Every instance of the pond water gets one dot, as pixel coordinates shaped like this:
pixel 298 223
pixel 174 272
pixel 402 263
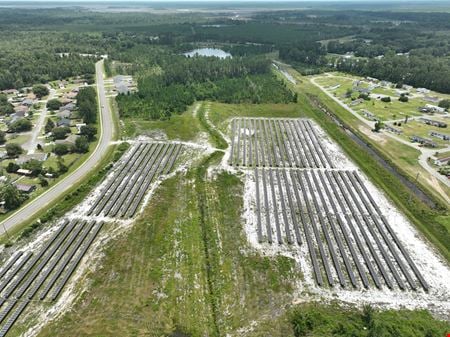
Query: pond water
pixel 208 52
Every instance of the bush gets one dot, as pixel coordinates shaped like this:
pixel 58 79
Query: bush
pixel 61 149
pixel 49 125
pixel 364 96
pixel 43 181
pixel 20 125
pixel 316 320
pixel 35 166
pixel 54 104
pixel 403 98
pixel 88 131
pixel 82 144
pixel 40 90
pixel 60 132
pixel 12 167
pixel 386 99
pixel 13 150
pixel 2 137
pixel 445 103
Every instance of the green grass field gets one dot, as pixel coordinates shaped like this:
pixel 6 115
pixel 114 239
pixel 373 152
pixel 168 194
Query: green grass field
pixel 220 114
pixel 385 111
pixel 183 127
pixel 417 128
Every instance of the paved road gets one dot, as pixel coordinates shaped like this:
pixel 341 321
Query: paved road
pixel 425 153
pixel 30 146
pixel 106 134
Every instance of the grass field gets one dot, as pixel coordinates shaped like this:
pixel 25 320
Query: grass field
pixel 183 127
pixel 417 128
pixel 221 113
pixel 385 111
pixel 392 110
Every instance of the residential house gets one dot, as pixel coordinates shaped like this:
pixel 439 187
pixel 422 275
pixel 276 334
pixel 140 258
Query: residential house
pixel 423 90
pixel 69 106
pixel 64 122
pixel 440 135
pixel 433 122
pixel 71 95
pixel 21 110
pixel 356 102
pixel 362 90
pixel 407 87
pixel 64 114
pixel 27 102
pixel 431 99
pixel 34 156
pixel 25 188
pixel 372 79
pixel 122 88
pixel 442 161
pixel 423 141
pixel 70 140
pixel 434 108
pixel 369 115
pixel 392 129
pixel 10 91
pixel 24 172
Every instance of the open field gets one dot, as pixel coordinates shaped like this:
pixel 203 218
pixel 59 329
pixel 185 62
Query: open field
pixel 182 127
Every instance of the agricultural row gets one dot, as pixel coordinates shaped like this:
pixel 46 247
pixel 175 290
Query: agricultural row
pixel 124 192
pixel 273 142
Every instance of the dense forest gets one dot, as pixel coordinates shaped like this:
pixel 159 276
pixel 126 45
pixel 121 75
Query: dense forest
pixel 32 41
pixel 180 81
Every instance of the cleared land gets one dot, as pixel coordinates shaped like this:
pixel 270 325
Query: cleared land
pixel 41 269
pixel 276 142
pixel 332 210
pixel 125 190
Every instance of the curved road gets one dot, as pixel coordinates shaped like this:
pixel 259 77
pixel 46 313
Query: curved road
pixel 55 192
pixel 425 153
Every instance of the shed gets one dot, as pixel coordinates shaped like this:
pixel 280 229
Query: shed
pixel 24 172
pixel 25 188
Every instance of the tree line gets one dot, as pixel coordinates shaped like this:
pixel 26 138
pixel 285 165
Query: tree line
pixel 185 80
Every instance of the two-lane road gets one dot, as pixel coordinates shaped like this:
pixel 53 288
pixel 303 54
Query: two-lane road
pixel 106 134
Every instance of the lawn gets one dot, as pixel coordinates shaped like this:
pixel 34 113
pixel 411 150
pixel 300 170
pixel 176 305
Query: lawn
pixel 417 128
pixel 220 113
pixel 392 110
pixel 182 127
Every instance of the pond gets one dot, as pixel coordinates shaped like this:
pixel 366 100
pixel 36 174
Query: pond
pixel 208 52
